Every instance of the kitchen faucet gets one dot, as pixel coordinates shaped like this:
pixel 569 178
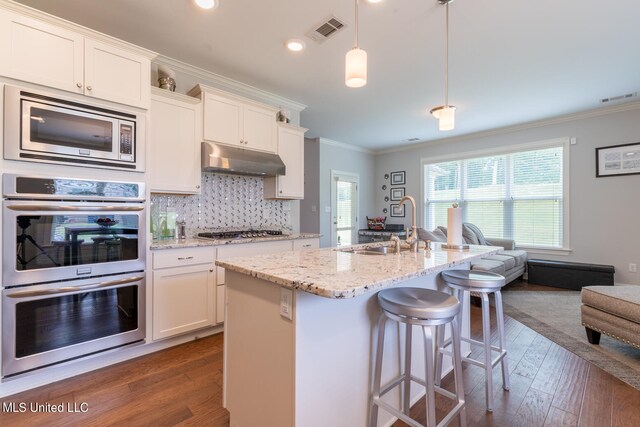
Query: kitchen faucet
pixel 413 240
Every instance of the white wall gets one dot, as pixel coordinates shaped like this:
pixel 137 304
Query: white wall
pixel 604 212
pixel 322 157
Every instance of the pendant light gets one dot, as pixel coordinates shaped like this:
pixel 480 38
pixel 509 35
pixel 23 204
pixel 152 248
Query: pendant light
pixel 446 114
pixel 356 62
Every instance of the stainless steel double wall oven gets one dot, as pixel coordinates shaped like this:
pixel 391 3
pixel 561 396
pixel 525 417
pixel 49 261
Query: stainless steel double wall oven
pixel 73 269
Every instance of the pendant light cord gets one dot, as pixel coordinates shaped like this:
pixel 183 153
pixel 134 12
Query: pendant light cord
pixel 446 55
pixel 356 24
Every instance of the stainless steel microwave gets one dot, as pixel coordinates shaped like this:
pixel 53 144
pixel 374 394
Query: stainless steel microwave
pixel 42 127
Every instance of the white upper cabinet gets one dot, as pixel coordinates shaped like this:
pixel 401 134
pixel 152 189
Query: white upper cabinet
pixel 174 144
pixel 291 151
pixel 116 74
pixel 222 119
pixel 237 121
pixel 39 52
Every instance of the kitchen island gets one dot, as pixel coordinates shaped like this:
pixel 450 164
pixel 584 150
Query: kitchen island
pixel 299 331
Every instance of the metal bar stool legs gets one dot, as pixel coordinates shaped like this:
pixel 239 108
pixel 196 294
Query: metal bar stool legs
pixel 484 284
pixel 416 311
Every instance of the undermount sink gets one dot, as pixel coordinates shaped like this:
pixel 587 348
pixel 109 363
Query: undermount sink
pixel 380 250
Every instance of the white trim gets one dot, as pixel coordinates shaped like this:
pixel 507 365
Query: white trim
pixel 229 84
pixel 345 146
pixel 494 151
pixel 564 142
pixel 630 106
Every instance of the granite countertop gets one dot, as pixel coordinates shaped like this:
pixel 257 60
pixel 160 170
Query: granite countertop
pixel 332 273
pixel 193 242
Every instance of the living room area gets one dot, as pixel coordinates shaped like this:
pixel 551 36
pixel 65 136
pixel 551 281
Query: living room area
pixel 539 187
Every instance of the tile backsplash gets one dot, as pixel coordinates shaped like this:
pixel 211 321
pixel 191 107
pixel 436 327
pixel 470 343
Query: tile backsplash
pixel 225 202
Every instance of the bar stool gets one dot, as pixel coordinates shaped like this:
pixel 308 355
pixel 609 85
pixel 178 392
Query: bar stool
pixel 481 283
pixel 426 308
pixel 66 245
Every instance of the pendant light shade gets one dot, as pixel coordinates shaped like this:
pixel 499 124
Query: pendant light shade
pixel 446 114
pixel 356 68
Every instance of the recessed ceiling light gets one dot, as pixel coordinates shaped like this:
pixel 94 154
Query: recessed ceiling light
pixel 207 4
pixel 295 45
pixel 374 1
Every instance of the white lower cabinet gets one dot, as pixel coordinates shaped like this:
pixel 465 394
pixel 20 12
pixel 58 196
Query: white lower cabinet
pixel 184 291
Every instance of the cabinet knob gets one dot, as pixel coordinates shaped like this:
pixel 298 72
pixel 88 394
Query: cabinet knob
pixel 89 88
pixel 280 191
pixel 197 186
pixel 79 85
pixel 211 270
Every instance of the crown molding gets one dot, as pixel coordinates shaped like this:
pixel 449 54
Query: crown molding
pixel 629 106
pixel 72 26
pixel 227 83
pixel 345 146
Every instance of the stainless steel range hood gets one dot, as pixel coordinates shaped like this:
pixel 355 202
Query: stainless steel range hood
pixel 221 158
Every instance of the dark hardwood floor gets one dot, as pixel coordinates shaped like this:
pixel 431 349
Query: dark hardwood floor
pixel 183 386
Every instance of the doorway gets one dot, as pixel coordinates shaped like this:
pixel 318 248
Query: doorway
pixel 344 208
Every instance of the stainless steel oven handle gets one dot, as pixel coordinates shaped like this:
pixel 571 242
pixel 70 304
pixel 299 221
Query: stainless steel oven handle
pixel 74 208
pixel 68 289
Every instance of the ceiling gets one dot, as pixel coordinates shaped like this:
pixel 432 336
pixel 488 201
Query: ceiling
pixel 510 62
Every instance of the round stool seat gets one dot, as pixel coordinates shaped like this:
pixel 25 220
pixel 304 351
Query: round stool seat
pixel 473 279
pixel 418 303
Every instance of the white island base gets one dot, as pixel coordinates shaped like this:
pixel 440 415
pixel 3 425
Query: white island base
pixel 315 369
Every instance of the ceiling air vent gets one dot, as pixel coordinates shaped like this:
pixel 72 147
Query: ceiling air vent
pixel 325 29
pixel 619 97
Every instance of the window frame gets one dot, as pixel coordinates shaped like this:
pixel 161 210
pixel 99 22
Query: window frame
pixel 564 142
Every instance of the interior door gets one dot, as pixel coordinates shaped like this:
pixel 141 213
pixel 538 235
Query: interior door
pixel 344 208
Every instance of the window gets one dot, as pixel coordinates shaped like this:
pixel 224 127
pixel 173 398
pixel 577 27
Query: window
pixel 515 195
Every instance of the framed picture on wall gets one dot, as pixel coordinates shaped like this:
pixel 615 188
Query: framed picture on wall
pixel 397 194
pixel 397 210
pixel 617 160
pixel 398 178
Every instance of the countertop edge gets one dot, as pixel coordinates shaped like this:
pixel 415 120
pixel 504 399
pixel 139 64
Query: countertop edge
pixel 194 242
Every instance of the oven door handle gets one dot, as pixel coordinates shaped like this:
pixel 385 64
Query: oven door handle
pixel 74 208
pixel 69 289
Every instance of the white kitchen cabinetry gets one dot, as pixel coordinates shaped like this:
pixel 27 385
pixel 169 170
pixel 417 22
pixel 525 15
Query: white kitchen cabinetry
pixel 291 151
pixel 43 53
pixel 184 290
pixel 243 250
pixel 174 143
pixel 237 121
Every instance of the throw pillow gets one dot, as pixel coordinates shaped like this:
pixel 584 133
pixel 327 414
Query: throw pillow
pixel 478 234
pixel 469 236
pixel 443 230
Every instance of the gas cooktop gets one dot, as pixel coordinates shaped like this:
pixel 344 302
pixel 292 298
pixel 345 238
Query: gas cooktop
pixel 239 234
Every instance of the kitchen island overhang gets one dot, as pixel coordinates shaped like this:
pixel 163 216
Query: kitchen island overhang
pixel 315 368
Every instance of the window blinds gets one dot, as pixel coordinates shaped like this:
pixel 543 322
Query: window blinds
pixel 516 195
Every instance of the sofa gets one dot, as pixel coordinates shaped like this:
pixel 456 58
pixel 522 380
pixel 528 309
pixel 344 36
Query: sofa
pixel 510 262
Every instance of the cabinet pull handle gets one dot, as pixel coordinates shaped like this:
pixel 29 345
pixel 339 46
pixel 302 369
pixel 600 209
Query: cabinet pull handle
pixel 306 246
pixel 79 85
pixel 183 258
